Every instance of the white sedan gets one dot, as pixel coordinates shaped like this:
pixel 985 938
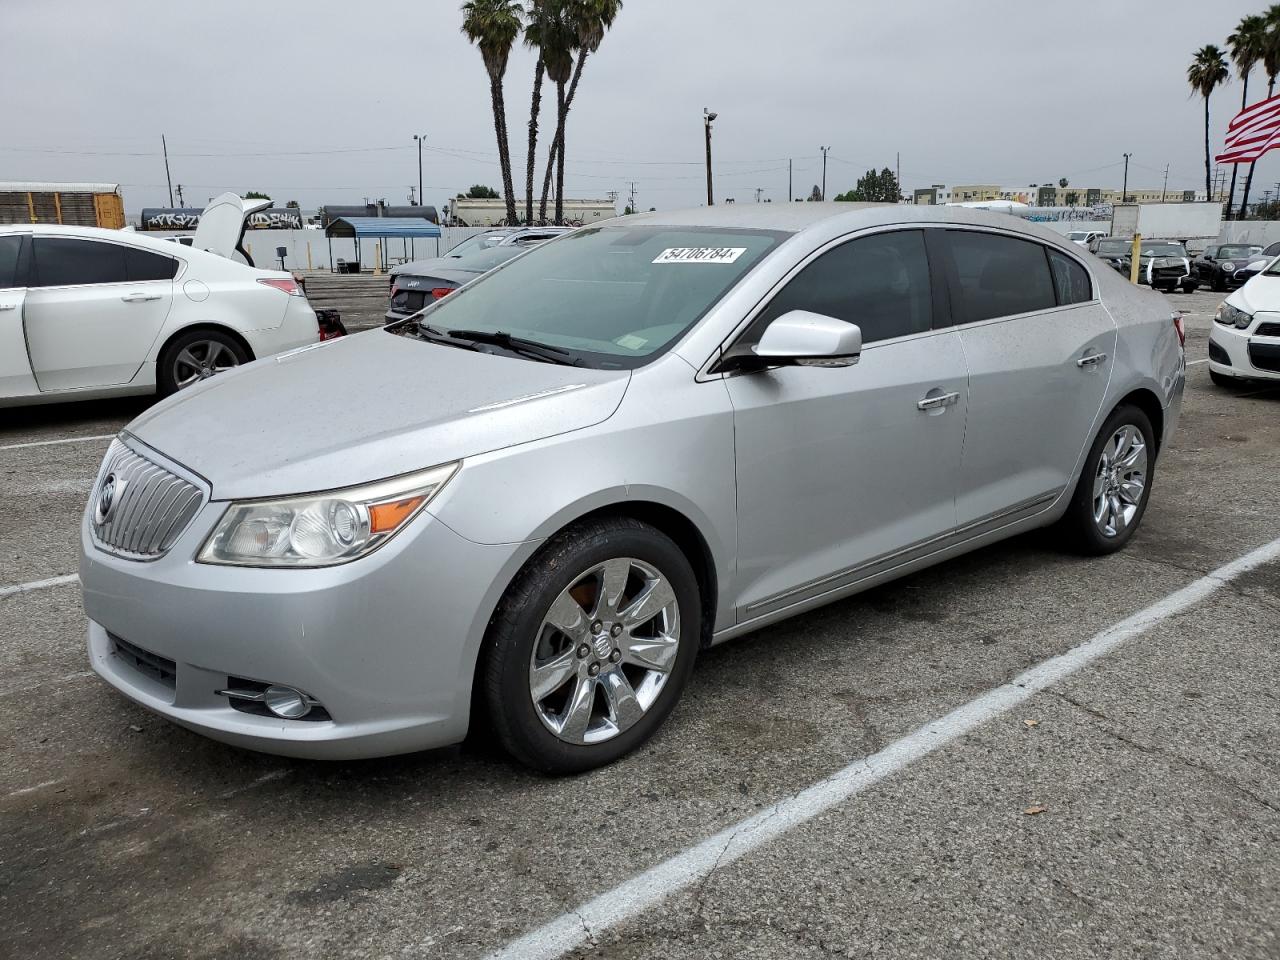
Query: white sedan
pixel 87 312
pixel 1244 343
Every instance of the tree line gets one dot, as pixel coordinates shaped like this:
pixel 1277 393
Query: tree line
pixel 563 34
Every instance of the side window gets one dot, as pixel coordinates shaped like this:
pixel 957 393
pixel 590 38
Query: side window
pixel 145 265
pixel 62 261
pixel 10 247
pixel 1210 252
pixel 1070 280
pixel 880 282
pixel 998 276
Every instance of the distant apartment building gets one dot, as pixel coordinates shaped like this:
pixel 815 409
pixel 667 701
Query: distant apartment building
pixel 1051 195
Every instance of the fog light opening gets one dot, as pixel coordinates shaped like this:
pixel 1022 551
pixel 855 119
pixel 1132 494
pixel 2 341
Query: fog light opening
pixel 286 702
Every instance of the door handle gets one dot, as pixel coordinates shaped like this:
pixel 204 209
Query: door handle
pixel 140 297
pixel 942 400
pixel 8 306
pixel 1091 360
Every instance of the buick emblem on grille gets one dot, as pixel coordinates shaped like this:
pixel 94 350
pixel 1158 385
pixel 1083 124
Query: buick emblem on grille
pixel 108 497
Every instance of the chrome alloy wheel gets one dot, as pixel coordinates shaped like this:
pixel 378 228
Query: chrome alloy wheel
pixel 201 360
pixel 1120 481
pixel 604 651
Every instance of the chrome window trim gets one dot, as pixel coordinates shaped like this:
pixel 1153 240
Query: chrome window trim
pixel 704 370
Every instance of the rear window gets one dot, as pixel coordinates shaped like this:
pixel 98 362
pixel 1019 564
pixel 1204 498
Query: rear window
pixel 998 276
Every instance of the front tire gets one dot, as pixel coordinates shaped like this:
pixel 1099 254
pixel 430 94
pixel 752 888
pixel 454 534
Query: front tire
pixel 591 646
pixel 197 355
pixel 1115 485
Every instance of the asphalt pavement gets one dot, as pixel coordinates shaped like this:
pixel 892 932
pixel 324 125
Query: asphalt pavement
pixel 1128 807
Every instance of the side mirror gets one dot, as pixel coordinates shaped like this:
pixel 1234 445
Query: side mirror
pixel 801 338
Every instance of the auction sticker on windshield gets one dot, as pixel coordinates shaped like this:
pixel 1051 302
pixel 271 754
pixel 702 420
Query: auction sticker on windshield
pixel 699 254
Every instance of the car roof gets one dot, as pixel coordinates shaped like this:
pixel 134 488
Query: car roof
pixel 135 237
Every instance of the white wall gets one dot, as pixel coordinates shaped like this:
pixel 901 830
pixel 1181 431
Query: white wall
pixel 262 246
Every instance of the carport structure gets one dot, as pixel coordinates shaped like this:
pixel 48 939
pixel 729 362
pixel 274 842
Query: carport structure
pixel 406 229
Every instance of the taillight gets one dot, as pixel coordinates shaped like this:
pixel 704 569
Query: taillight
pixel 284 286
pixel 1180 325
pixel 438 293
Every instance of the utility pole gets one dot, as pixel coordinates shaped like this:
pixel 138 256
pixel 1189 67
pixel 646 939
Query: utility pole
pixel 411 203
pixel 632 201
pixel 759 191
pixel 897 174
pixel 707 117
pixel 165 147
pixel 1124 190
pixel 824 171
pixel 1165 189
pixel 790 196
pixel 179 190
pixel 419 137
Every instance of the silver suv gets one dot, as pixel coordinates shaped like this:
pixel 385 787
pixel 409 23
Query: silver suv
pixel 544 495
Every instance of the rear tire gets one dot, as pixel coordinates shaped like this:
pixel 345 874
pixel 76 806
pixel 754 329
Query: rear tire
pixel 197 355
pixel 1111 496
pixel 591 646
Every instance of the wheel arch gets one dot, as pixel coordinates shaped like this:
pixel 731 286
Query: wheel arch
pixel 1145 399
pixel 212 326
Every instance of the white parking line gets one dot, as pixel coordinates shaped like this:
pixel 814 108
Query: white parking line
pixel 33 789
pixel 49 443
pixel 632 897
pixel 38 585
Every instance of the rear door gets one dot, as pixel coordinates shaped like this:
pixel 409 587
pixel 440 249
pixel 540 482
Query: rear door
pixel 1039 347
pixel 15 370
pixel 93 310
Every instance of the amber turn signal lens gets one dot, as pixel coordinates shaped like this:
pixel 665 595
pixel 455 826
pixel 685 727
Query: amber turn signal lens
pixel 385 517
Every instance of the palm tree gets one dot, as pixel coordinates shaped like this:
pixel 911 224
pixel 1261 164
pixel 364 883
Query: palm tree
pixel 557 41
pixel 584 22
pixel 1271 64
pixel 1247 46
pixel 1207 71
pixel 493 26
pixel 541 19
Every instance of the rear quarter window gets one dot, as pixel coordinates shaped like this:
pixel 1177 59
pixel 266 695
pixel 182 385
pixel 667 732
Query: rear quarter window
pixel 1070 280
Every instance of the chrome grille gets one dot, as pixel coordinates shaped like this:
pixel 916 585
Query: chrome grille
pixel 149 510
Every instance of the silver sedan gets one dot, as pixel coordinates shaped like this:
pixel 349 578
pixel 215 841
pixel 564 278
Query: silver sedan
pixel 539 498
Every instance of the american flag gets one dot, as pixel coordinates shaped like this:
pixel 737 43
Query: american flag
pixel 1254 131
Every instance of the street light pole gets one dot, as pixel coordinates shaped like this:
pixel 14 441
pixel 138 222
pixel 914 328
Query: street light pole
pixel 707 117
pixel 420 138
pixel 824 171
pixel 1124 190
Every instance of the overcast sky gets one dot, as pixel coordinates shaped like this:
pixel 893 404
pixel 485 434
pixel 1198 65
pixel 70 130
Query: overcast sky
pixel 318 101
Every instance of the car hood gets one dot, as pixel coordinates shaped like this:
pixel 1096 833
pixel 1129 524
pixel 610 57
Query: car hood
pixel 1261 293
pixel 367 407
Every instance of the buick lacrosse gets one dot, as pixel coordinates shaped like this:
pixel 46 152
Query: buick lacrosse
pixel 536 500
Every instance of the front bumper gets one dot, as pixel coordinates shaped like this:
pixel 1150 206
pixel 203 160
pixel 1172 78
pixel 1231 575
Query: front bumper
pixel 387 644
pixel 1239 353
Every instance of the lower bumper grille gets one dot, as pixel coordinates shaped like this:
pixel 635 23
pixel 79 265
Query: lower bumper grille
pixel 1265 356
pixel 1218 355
pixel 153 666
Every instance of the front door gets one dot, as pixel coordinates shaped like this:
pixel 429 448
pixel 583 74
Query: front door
pixel 846 472
pixel 94 310
pixel 1040 348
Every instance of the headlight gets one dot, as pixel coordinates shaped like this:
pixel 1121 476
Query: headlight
pixel 1233 316
pixel 321 529
pixel 1228 266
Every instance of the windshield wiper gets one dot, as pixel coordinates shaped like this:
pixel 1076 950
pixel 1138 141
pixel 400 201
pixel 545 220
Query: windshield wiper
pixel 432 335
pixel 528 348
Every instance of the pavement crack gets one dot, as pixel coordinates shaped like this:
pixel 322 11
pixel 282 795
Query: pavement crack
pixel 1229 583
pixel 586 927
pixel 1150 749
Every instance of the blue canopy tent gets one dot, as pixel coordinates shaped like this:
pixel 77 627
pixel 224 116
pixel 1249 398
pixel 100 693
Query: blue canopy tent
pixel 406 229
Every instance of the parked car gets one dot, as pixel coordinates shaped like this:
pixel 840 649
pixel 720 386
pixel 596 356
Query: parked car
pixel 1085 237
pixel 541 497
pixel 416 284
pixel 1220 267
pixel 88 312
pixel 1163 264
pixel 1257 264
pixel 1244 343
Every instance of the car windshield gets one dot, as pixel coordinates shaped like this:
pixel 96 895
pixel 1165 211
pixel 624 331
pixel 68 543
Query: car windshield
pixel 1077 235
pixel 1226 253
pixel 1114 248
pixel 1163 250
pixel 613 297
